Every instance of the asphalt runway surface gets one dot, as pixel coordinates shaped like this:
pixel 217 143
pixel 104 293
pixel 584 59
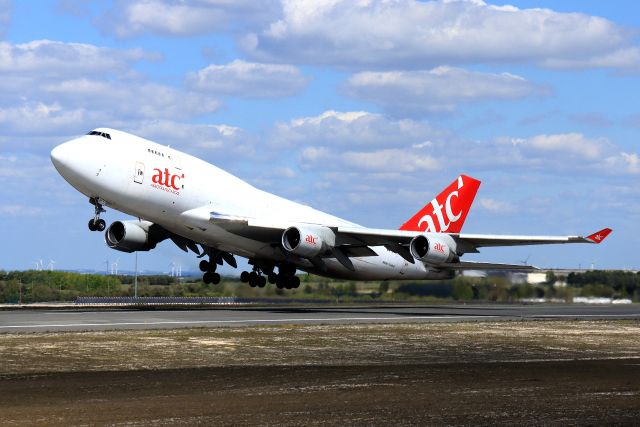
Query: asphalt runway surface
pixel 87 319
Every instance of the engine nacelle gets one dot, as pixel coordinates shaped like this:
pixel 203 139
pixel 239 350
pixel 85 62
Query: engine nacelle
pixel 129 236
pixel 432 249
pixel 308 241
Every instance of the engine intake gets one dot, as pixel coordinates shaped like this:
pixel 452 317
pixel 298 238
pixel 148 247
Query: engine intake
pixel 433 249
pixel 308 242
pixel 130 236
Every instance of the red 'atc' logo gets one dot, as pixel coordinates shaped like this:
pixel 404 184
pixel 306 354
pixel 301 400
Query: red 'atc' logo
pixel 167 179
pixel 438 247
pixel 448 211
pixel 310 239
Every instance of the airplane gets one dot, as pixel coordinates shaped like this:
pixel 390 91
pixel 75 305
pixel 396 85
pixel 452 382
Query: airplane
pixel 205 209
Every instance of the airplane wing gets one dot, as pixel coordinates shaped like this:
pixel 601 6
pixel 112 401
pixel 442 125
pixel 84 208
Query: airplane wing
pixel 466 242
pixel 271 231
pixel 357 241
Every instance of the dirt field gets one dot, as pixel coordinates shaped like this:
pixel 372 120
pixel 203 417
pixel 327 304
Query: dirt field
pixel 531 373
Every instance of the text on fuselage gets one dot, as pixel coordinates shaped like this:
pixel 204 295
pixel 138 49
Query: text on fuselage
pixel 167 181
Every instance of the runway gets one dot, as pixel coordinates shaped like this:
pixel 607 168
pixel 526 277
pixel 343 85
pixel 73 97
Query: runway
pixel 27 321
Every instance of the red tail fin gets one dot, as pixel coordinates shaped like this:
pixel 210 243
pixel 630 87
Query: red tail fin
pixel 447 212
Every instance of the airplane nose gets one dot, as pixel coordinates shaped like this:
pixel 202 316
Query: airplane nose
pixel 60 157
pixel 57 156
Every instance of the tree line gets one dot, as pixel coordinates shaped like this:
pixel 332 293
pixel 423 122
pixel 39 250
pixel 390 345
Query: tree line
pixel 35 286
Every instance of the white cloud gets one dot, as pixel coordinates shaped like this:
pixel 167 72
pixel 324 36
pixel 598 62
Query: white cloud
pixel 37 118
pixel 49 59
pixel 389 160
pixel 5 16
pixel 409 33
pixel 132 99
pixel 554 154
pixel 359 142
pixel 626 59
pixel 497 206
pixel 247 79
pixel 72 106
pixel 352 129
pixel 213 142
pixel 623 162
pixel 59 88
pixel 438 90
pixel 19 210
pixel 567 145
pixel 129 18
pixel 384 148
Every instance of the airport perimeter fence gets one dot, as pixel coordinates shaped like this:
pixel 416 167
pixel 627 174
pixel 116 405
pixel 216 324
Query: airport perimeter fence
pixel 155 301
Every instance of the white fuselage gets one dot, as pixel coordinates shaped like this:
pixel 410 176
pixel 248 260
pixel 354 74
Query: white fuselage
pixel 159 184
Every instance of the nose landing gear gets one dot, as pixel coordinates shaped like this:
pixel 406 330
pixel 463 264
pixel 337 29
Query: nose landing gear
pixel 95 223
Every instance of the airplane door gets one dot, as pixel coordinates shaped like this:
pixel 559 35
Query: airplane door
pixel 138 175
pixel 174 156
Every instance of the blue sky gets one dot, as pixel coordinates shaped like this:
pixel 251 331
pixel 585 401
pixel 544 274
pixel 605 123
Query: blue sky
pixel 362 109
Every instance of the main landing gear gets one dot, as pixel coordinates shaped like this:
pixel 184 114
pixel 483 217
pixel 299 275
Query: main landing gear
pixel 285 278
pixel 95 223
pixel 255 278
pixel 209 268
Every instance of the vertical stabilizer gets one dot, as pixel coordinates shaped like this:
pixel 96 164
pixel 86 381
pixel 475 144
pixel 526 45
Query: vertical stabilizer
pixel 448 211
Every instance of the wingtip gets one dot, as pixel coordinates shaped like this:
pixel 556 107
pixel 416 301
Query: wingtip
pixel 599 236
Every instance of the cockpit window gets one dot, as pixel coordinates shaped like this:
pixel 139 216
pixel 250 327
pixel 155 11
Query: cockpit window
pixel 102 134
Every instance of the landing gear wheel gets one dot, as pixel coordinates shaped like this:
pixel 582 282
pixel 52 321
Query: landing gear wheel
pixel 262 281
pixel 295 282
pixel 244 277
pixel 253 279
pixel 209 277
pixel 289 282
pixel 204 265
pixel 215 278
pixel 273 278
pixel 97 224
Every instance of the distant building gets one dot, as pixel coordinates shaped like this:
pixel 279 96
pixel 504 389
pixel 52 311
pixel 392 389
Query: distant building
pixel 536 278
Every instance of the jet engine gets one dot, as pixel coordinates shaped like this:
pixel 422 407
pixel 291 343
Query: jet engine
pixel 432 249
pixel 130 236
pixel 308 241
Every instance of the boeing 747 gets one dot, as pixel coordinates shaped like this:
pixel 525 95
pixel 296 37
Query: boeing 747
pixel 218 216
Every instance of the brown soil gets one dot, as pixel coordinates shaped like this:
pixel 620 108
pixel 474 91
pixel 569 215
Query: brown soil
pixel 531 373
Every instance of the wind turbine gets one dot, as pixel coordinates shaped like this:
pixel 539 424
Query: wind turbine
pixel 51 263
pixel 114 267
